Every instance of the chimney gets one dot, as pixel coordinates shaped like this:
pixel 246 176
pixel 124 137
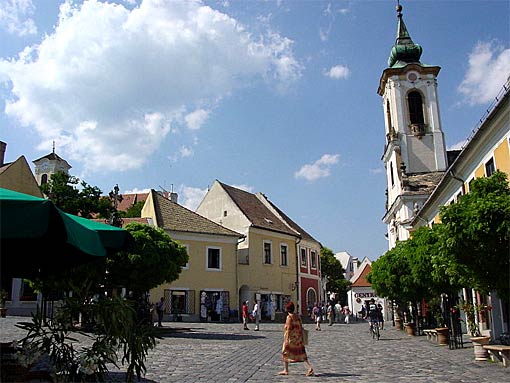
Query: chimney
pixel 3 145
pixel 173 197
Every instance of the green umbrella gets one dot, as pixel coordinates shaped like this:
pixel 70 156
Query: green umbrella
pixel 38 238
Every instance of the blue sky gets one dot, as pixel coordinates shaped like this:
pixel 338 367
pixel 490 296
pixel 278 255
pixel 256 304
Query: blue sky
pixel 270 96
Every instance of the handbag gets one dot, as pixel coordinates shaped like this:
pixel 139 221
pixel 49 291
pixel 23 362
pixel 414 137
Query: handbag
pixel 305 336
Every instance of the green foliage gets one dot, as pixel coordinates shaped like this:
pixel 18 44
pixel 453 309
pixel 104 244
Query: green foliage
pixel 476 236
pixel 84 201
pixel 134 211
pixel 332 269
pixel 154 259
pixel 117 328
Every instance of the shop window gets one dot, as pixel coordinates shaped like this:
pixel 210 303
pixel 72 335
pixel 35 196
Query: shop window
pixel 214 306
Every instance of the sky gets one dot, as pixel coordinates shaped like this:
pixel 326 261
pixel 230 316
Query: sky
pixel 278 97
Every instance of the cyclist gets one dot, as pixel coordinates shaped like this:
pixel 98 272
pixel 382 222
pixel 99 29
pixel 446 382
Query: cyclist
pixel 373 313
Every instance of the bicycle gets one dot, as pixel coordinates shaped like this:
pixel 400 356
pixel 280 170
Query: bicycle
pixel 374 329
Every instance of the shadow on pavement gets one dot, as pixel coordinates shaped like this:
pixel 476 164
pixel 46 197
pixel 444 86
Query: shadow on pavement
pixel 190 333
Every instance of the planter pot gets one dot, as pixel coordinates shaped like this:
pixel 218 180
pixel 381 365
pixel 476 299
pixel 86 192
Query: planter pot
pixel 443 336
pixel 411 329
pixel 398 324
pixel 478 343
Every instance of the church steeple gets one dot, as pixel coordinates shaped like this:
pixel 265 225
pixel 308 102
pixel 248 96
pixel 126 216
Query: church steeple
pixel 405 50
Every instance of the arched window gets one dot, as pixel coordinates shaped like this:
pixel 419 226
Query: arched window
pixel 415 108
pixel 44 179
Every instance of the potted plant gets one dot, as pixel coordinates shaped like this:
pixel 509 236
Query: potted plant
pixel 476 337
pixel 3 297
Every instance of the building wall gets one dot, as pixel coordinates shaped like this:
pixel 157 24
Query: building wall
pixel 196 277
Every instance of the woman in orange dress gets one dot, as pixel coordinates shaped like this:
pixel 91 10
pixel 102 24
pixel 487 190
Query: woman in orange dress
pixel 293 349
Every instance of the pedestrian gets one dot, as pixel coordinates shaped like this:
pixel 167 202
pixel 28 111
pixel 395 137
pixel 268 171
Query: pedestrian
pixel 338 311
pixel 245 315
pixel 256 313
pixel 293 348
pixel 331 314
pixel 347 313
pixel 160 308
pixel 381 316
pixel 317 313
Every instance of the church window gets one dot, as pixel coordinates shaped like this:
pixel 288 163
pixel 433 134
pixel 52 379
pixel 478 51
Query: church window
pixel 392 176
pixel 388 116
pixel 44 179
pixel 415 108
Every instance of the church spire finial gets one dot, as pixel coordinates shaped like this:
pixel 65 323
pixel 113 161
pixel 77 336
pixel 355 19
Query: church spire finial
pixel 405 50
pixel 53 146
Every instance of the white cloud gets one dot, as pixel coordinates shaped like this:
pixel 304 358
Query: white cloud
pixel 196 119
pixel 191 196
pixel 244 187
pixel 186 151
pixel 15 17
pixel 338 72
pixel 109 84
pixel 458 145
pixel 376 170
pixel 319 169
pixel 137 191
pixel 489 68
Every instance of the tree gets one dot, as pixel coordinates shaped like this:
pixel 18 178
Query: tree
pixel 84 202
pixel 154 259
pixel 476 236
pixel 133 211
pixel 332 269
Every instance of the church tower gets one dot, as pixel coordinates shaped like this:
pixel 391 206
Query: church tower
pixel 414 154
pixel 48 165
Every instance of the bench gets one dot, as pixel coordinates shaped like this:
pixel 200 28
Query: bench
pixel 499 352
pixel 431 334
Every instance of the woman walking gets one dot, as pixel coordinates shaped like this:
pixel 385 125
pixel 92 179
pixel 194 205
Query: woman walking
pixel 293 349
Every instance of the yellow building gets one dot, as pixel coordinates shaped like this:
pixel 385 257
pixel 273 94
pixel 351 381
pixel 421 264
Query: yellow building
pixel 207 288
pixel 268 270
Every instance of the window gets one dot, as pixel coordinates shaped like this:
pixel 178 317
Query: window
pixel 284 255
pixel 415 108
pixel 213 258
pixel 44 179
pixel 489 167
pixel 313 259
pixel 267 252
pixel 391 175
pixel 303 258
pixel 388 116
pixel 186 266
pixel 311 298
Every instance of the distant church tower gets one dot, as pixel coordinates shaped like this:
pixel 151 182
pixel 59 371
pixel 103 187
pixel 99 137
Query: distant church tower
pixel 414 156
pixel 48 165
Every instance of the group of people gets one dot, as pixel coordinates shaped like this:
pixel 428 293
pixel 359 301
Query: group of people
pixel 333 313
pixel 255 315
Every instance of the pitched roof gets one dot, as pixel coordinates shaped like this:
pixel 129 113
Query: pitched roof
pixel 256 212
pixel 172 216
pixel 292 224
pixel 53 157
pixel 129 200
pixel 421 183
pixel 359 279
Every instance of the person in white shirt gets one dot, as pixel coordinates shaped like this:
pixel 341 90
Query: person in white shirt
pixel 256 315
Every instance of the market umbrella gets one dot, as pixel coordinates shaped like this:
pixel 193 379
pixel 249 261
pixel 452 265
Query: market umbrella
pixel 37 238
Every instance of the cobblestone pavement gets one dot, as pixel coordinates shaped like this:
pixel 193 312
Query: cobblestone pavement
pixel 209 352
